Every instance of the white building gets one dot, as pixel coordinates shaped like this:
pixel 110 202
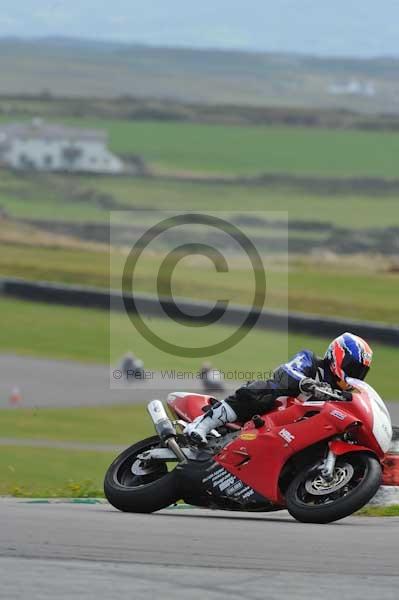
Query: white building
pixel 46 147
pixel 353 88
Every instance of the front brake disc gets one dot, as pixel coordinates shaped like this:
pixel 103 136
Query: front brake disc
pixel 318 486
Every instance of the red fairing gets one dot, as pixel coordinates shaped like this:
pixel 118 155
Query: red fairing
pixel 339 447
pixel 187 406
pixel 257 456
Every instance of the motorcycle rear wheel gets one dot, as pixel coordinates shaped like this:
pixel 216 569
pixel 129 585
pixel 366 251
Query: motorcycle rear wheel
pixel 143 493
pixel 357 477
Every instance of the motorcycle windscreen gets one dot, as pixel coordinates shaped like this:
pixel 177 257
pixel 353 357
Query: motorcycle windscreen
pixel 382 425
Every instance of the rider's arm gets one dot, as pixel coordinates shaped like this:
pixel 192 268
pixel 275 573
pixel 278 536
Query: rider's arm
pixel 287 377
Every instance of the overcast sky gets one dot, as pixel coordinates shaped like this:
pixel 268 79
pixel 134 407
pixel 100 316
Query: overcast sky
pixel 326 27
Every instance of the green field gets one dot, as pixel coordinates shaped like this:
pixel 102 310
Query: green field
pixel 344 210
pixel 44 196
pixel 80 198
pixel 120 425
pixel 72 333
pixel 246 150
pixel 355 291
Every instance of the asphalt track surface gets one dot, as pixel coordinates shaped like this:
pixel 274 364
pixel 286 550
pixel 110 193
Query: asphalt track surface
pixel 52 383
pixel 68 551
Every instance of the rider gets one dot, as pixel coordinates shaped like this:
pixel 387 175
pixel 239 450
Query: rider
pixel 347 356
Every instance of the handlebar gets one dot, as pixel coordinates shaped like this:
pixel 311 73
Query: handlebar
pixel 334 394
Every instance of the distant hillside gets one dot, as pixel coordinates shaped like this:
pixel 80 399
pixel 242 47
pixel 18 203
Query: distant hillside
pixel 108 70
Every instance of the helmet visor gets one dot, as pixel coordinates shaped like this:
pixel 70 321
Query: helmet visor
pixel 354 369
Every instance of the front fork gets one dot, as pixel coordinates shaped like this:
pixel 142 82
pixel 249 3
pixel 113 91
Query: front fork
pixel 328 466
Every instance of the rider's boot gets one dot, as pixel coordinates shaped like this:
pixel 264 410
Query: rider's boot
pixel 220 414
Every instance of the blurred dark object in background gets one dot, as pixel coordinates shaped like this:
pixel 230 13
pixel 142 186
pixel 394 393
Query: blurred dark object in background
pixel 211 378
pixel 132 367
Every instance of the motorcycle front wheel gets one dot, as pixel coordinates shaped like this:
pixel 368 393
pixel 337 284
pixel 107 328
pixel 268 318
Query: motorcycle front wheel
pixel 132 486
pixel 356 479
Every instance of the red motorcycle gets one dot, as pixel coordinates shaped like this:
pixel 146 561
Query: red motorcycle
pixel 321 460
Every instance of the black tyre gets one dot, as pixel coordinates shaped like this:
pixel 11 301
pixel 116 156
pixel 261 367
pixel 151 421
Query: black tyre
pixel 150 490
pixel 311 499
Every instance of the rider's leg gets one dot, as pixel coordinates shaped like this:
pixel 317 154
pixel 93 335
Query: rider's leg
pixel 220 414
pixel 257 398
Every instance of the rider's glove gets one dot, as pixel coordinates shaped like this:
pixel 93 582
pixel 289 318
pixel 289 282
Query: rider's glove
pixel 314 388
pixel 307 385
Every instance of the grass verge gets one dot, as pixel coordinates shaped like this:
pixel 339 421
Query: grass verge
pixel 122 425
pixel 379 511
pixel 45 473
